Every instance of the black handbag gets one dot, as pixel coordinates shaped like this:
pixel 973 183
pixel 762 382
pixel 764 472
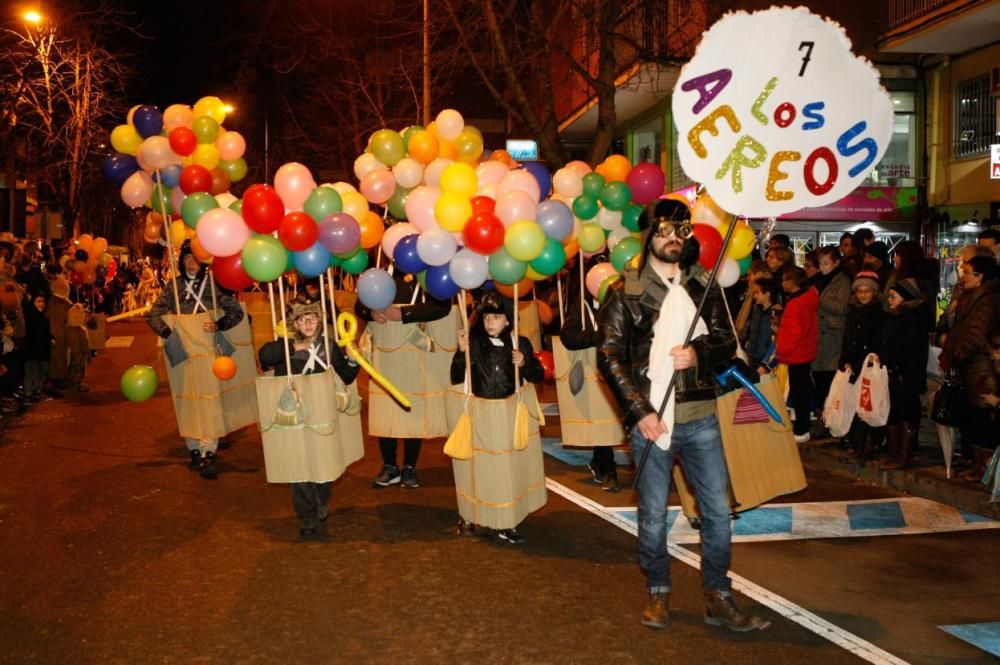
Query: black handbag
pixel 946 407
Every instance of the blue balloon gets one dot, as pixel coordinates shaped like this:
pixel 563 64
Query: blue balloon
pixel 118 167
pixel 556 219
pixel 406 257
pixel 541 174
pixel 171 175
pixel 376 289
pixel 439 282
pixel 312 262
pixel 148 121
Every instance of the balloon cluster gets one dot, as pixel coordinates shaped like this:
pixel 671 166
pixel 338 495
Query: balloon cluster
pixel 88 261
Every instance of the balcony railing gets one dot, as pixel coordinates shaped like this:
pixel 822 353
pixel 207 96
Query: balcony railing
pixel 904 11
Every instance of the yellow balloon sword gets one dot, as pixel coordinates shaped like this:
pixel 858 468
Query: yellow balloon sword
pixel 347 330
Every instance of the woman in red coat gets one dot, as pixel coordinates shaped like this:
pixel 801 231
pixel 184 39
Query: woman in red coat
pixel 796 343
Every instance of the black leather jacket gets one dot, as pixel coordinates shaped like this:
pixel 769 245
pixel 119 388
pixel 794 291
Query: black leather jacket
pixel 492 369
pixel 626 326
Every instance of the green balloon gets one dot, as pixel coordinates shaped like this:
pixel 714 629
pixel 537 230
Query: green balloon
pixel 524 240
pixel 387 146
pixel 624 251
pixel 744 264
pixel 323 202
pixel 264 258
pixel 630 217
pixel 422 279
pixel 356 264
pixel 505 269
pixel 590 238
pixel 616 196
pixel 160 200
pixel 585 206
pixel 593 185
pixel 408 132
pixel 350 255
pixel 139 383
pixel 602 291
pixel 205 129
pixel 551 260
pixel 334 261
pixel 237 206
pixel 196 205
pixel 236 169
pixel 397 202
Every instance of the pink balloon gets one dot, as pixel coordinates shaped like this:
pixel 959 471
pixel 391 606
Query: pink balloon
pixel 646 182
pixel 491 172
pixel 420 207
pixel 222 232
pixel 231 146
pixel 394 234
pixel 177 115
pixel 597 275
pixel 137 189
pixel 177 197
pixel 583 168
pixel 432 174
pixel 378 186
pixel 156 152
pixel 515 205
pixel 294 183
pixel 519 181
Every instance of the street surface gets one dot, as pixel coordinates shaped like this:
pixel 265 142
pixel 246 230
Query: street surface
pixel 114 552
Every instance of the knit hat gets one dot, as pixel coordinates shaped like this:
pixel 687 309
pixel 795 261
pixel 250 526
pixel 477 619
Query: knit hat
pixel 879 250
pixel 866 279
pixel 908 289
pixel 60 288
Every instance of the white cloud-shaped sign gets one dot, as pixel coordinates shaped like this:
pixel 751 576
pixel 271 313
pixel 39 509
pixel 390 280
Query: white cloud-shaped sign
pixel 775 113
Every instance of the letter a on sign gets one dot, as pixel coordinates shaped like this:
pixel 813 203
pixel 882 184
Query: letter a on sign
pixel 708 86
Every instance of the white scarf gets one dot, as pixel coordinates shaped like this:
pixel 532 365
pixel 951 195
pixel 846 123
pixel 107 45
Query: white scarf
pixel 676 313
pixel 189 294
pixel 314 357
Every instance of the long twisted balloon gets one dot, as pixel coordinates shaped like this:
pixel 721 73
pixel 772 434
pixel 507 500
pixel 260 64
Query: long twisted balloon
pixel 347 330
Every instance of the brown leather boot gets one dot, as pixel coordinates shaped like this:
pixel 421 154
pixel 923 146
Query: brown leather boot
pixel 657 612
pixel 720 610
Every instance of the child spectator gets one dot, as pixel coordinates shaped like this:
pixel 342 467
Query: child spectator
pixel 759 343
pixel 796 343
pixel 38 342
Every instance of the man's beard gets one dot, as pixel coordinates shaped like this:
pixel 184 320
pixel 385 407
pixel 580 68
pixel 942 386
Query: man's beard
pixel 667 253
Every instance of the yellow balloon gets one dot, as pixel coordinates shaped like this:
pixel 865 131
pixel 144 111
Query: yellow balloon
pixel 355 205
pixel 460 179
pixel 131 114
pixel 207 155
pixel 124 138
pixel 469 145
pixel 347 330
pixel 742 242
pixel 532 274
pixel 178 232
pixel 452 211
pixel 212 107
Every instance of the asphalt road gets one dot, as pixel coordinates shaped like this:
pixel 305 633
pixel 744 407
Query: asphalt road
pixel 111 550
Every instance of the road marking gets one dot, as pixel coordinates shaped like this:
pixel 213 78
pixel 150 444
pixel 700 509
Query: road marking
pixel 985 636
pixel 842 638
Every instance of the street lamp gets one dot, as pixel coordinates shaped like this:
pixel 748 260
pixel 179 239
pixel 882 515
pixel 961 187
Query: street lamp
pixel 33 17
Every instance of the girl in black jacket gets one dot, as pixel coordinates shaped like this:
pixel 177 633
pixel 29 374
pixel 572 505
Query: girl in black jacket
pixel 862 335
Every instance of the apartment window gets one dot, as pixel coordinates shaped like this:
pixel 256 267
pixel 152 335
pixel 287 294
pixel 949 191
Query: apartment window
pixel 898 165
pixel 975 118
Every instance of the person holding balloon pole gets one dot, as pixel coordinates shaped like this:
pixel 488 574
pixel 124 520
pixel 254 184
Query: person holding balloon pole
pixel 198 417
pixel 659 349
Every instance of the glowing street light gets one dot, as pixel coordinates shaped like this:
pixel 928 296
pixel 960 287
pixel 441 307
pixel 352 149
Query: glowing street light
pixel 33 17
pixel 228 108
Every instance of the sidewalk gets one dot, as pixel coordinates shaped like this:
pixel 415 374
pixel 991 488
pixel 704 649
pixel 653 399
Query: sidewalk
pixel 925 478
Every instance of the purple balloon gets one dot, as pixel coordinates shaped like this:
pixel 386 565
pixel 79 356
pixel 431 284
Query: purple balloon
pixel 339 233
pixel 555 219
pixel 541 174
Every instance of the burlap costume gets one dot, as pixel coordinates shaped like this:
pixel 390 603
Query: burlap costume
pixel 529 323
pixel 590 417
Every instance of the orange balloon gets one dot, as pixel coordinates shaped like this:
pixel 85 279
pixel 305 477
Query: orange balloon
pixel 544 312
pixel 199 251
pixel 523 288
pixel 224 368
pixel 501 156
pixel 674 196
pixel 615 168
pixel 423 147
pixel 372 229
pixel 571 247
pixel 446 149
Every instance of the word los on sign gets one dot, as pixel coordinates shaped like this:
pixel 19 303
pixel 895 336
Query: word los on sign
pixel 751 154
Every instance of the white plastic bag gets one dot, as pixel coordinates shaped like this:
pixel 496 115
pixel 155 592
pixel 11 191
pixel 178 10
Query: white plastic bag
pixel 873 394
pixel 841 404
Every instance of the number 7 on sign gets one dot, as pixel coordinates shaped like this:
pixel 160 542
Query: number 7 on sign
pixel 809 51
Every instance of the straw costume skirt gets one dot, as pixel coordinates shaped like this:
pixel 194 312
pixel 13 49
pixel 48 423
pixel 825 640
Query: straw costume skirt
pixel 206 407
pixel 416 358
pixel 590 417
pixel 499 486
pixel 763 459
pixel 326 438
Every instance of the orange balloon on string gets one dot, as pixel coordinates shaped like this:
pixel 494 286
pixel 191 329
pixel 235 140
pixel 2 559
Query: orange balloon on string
pixel 224 368
pixel 372 228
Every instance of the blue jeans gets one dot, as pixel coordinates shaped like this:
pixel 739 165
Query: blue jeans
pixel 699 444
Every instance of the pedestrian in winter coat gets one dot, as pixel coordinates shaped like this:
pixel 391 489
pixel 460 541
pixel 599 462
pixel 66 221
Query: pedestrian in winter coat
pixel 759 343
pixel 796 345
pixel 834 299
pixel 38 342
pixel 862 335
pixel 903 352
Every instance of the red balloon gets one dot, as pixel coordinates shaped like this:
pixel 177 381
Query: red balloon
pixel 229 272
pixel 298 231
pixel 76 278
pixel 710 244
pixel 262 208
pixel 183 141
pixel 220 181
pixel 482 204
pixel 483 233
pixel 196 178
pixel 548 363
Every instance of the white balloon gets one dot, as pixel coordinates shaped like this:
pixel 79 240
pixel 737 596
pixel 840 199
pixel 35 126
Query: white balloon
pixel 408 172
pixel 518 180
pixel 450 124
pixel 617 235
pixel 567 183
pixel 365 164
pixel 487 190
pixel 729 273
pixel 156 152
pixel 225 199
pixel 137 189
pixel 468 269
pixel 341 187
pixel 608 219
pixel 491 172
pixel 436 247
pixel 432 174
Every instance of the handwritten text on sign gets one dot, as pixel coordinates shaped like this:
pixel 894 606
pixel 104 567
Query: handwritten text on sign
pixel 774 113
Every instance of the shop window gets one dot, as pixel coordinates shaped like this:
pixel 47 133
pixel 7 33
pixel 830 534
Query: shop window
pixel 974 118
pixel 898 165
pixel 647 141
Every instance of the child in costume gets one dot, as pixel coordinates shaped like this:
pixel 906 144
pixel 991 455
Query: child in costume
pixel 499 485
pixel 308 355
